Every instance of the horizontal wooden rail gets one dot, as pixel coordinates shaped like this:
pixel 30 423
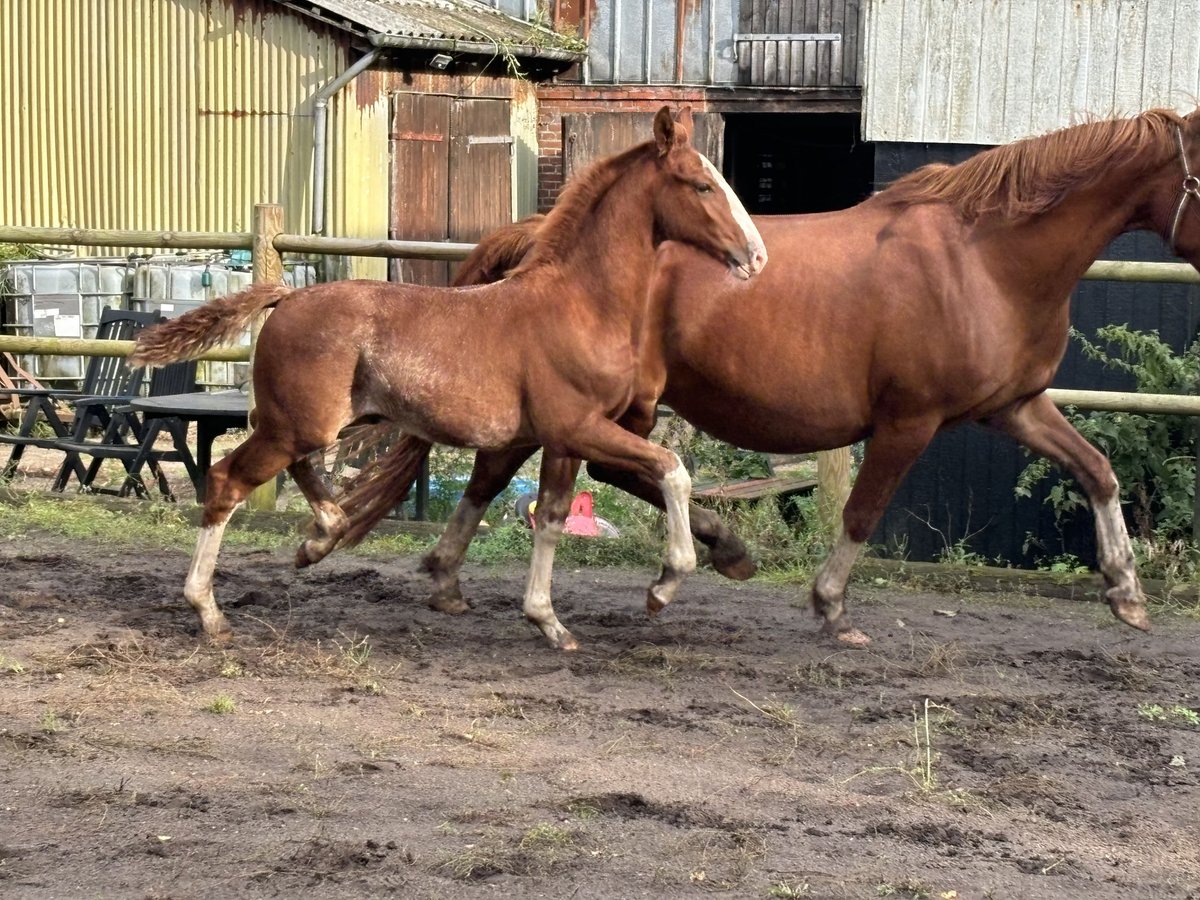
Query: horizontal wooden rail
pixel 98 237
pixel 1117 401
pixel 345 246
pixel 55 346
pixel 1133 270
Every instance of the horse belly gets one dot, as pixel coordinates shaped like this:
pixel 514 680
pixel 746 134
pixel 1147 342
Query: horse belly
pixel 441 403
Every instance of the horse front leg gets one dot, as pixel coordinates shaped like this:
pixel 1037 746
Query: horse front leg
pixel 607 443
pixel 555 489
pixel 229 483
pixel 727 552
pixel 891 451
pixel 490 475
pixel 1038 424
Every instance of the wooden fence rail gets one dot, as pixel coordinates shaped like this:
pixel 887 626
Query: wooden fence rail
pixel 267 241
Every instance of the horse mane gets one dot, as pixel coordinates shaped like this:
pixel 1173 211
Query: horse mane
pixel 1028 177
pixel 558 234
pixel 498 252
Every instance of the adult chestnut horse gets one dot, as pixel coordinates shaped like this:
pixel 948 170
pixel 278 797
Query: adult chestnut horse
pixel 547 356
pixel 942 299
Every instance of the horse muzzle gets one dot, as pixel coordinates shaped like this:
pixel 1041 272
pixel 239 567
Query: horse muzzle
pixel 749 261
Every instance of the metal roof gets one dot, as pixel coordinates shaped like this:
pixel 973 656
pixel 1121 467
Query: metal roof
pixel 463 22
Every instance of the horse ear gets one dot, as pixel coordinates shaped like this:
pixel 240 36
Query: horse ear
pixel 684 123
pixel 664 130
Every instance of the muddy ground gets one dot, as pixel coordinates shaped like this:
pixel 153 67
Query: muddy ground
pixel 353 743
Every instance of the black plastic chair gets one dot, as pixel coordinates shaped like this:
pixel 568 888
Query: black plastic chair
pixel 128 437
pixel 106 376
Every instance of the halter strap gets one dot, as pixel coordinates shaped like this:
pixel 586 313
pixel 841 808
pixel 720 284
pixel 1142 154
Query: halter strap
pixel 1190 189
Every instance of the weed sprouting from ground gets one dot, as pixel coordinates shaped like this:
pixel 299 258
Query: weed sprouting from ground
pixel 1173 714
pixel 220 705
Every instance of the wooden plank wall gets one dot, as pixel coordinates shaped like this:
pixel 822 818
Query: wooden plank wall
pixel 799 63
pixel 976 72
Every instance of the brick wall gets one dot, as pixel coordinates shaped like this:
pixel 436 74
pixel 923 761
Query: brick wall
pixel 555 101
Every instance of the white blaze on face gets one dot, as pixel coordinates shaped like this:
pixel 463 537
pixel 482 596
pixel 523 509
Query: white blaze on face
pixel 754 241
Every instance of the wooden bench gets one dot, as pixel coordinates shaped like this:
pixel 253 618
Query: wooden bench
pixel 778 488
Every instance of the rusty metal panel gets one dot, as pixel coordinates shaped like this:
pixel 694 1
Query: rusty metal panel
pixel 980 72
pixel 481 155
pixel 589 136
pixel 421 140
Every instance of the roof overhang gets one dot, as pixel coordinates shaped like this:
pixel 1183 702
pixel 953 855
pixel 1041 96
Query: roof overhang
pixel 450 26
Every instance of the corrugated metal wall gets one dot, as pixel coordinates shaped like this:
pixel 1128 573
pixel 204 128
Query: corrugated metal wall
pixel 988 72
pixel 159 114
pixel 182 114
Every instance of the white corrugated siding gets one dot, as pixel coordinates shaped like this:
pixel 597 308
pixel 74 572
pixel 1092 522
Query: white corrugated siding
pixel 176 115
pixel 993 71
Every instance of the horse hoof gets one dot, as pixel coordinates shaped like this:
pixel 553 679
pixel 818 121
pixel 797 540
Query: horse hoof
pixel 219 634
pixel 1132 613
pixel 565 642
pixel 845 633
pixel 308 553
pixel 654 604
pixel 450 604
pixel 738 568
pixel 853 637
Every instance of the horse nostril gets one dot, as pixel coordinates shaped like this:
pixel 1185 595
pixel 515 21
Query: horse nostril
pixel 758 258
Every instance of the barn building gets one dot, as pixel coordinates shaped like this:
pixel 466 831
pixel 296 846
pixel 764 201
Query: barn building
pixel 361 117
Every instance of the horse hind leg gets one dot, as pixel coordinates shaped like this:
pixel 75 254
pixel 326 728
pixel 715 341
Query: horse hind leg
pixel 891 452
pixel 1040 426
pixel 554 500
pixel 489 476
pixel 229 483
pixel 329 521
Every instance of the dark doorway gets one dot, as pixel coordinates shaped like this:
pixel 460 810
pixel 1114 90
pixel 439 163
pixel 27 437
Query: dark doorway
pixel 797 162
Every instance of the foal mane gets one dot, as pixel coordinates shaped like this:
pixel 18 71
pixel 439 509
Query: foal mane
pixel 558 233
pixel 1028 177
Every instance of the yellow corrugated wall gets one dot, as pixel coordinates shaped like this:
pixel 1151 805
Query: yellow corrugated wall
pixel 178 115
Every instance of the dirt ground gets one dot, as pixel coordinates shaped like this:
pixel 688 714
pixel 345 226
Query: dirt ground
pixel 353 743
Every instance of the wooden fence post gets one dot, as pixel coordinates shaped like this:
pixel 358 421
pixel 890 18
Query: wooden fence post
pixel 833 487
pixel 267 269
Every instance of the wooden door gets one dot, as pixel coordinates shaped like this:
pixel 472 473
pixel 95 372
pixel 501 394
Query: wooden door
pixel 589 136
pixel 451 175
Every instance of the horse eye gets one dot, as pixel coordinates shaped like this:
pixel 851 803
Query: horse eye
pixel 703 187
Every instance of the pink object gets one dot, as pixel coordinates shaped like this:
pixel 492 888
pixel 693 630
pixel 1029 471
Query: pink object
pixel 580 520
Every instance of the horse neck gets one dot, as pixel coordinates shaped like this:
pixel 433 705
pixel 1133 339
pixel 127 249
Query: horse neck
pixel 1056 247
pixel 609 255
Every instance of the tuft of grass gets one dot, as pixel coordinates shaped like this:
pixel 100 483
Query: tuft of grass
pixel 544 835
pixel 10 666
pixel 789 890
pixel 231 668
pixel 220 705
pixel 1176 713
pixel 50 722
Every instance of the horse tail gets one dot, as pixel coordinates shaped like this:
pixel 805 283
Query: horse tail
pixel 217 322
pixel 498 253
pixel 381 485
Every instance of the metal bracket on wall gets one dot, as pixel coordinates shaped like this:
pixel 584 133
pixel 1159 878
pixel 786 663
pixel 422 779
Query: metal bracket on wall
pixel 783 38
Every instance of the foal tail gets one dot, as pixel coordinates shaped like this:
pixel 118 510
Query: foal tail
pixel 218 322
pixel 381 485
